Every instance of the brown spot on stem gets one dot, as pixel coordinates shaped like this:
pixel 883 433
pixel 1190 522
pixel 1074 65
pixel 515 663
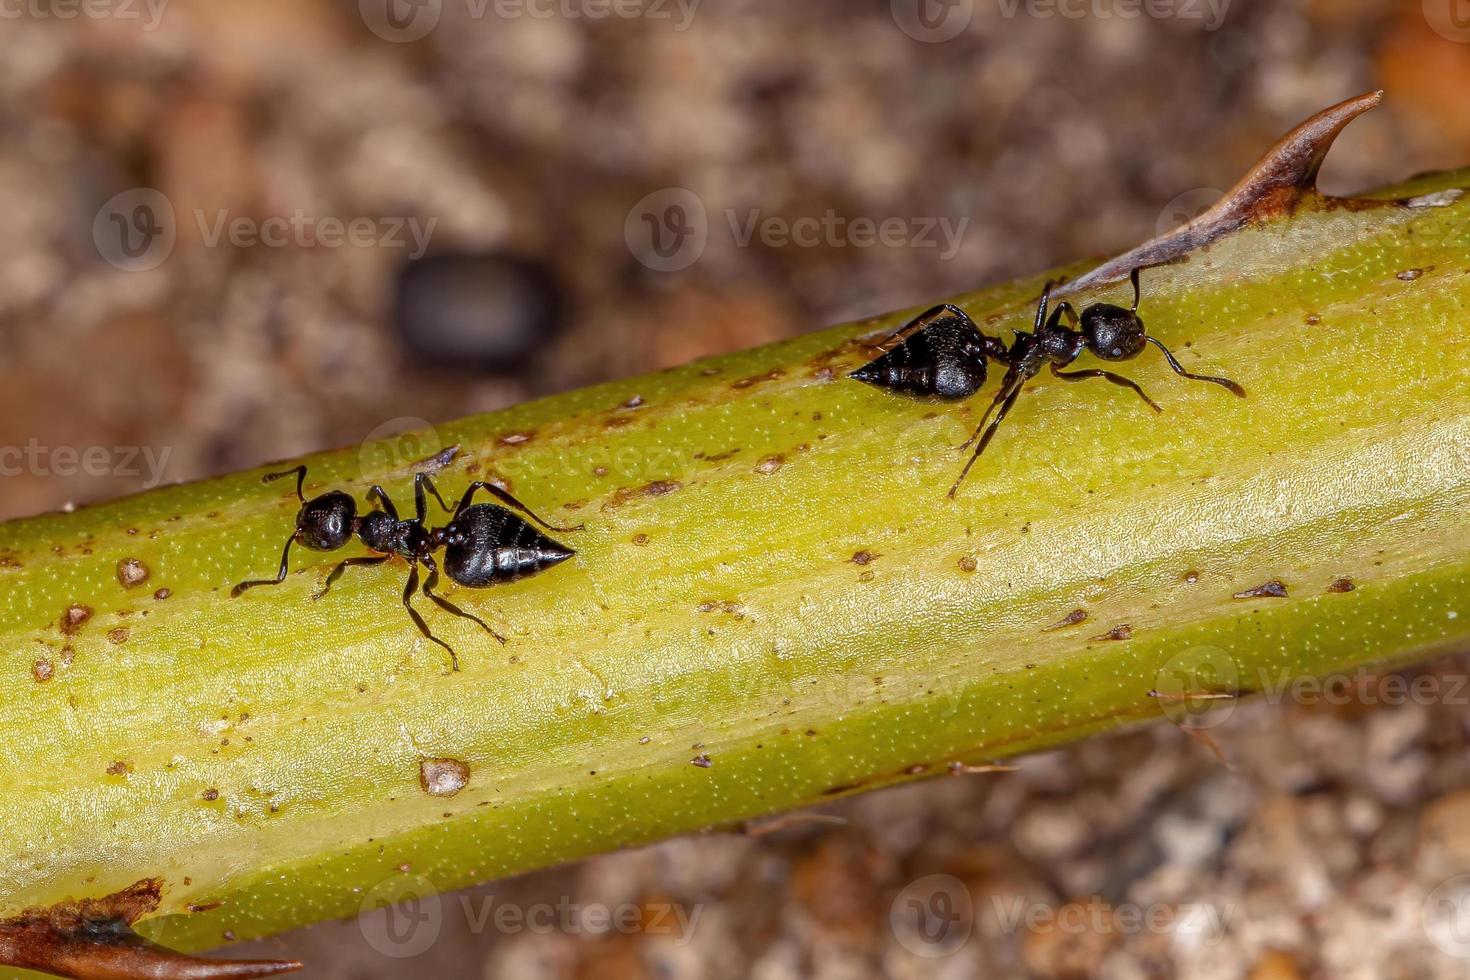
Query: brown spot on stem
pixel 515 438
pixel 719 457
pixel 42 670
pixel 74 618
pixel 443 777
pixel 843 788
pixel 1342 585
pixel 162 594
pixel 1191 576
pixel 723 606
pixel 633 402
pixel 771 375
pixel 1409 275
pixel 131 573
pixel 640 539
pixel 210 795
pixel 1071 619
pixel 92 939
pixel 968 564
pixel 1274 589
pixel 119 635
pixel 657 488
pixel 433 464
pixel 1123 631
pixel 770 464
pixel 864 557
pixel 119 768
pixel 701 760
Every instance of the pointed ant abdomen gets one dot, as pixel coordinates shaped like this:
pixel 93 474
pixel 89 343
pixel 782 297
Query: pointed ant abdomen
pixel 486 544
pixel 943 359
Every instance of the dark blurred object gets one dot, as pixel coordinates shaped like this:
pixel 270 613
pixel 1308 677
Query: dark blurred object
pixel 484 311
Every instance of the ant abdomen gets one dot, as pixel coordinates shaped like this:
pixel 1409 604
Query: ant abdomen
pixel 933 363
pixel 486 544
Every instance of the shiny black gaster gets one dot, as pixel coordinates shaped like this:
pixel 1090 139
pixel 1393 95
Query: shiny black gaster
pixel 942 354
pixel 483 544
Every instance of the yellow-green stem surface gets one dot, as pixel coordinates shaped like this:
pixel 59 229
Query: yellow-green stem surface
pixel 770 577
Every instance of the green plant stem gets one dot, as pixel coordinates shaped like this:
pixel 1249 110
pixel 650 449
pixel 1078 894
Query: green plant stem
pixel 771 579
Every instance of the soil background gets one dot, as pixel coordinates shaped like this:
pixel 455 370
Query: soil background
pixel 530 135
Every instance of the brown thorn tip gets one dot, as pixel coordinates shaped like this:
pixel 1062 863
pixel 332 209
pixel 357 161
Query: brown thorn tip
pixel 93 939
pixel 1284 175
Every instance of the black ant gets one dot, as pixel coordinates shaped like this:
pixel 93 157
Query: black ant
pixel 943 356
pixel 483 544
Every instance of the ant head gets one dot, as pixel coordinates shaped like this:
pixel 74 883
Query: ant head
pixel 1113 333
pixel 327 522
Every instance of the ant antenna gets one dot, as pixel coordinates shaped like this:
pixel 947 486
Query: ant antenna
pixel 1226 383
pixel 300 472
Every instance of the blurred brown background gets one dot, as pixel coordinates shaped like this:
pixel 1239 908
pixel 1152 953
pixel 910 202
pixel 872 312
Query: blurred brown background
pixel 523 141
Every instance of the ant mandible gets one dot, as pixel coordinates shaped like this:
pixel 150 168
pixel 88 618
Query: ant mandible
pixel 483 544
pixel 943 354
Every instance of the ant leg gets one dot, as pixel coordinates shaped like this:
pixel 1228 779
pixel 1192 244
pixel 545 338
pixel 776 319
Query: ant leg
pixel 445 604
pixel 421 482
pixel 408 591
pixel 280 575
pixel 1137 293
pixel 1005 398
pixel 382 497
pixel 505 498
pixel 1116 379
pixel 300 472
pixel 1063 309
pixel 1045 302
pixel 1179 370
pixel 345 564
